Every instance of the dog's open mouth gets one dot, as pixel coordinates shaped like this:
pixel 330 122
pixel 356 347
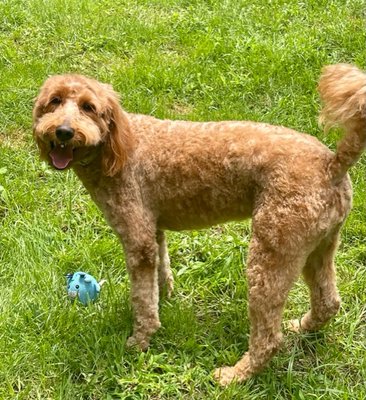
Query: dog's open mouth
pixel 61 154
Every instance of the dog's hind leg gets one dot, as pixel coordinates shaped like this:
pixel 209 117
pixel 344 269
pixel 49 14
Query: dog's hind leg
pixel 166 279
pixel 271 275
pixel 319 274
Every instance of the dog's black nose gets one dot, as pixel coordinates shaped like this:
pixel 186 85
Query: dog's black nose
pixel 64 132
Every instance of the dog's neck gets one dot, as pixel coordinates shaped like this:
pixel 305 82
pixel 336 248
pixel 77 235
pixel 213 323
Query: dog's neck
pixel 89 169
pixel 91 173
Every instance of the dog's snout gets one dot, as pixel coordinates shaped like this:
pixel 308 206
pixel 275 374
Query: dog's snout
pixel 64 132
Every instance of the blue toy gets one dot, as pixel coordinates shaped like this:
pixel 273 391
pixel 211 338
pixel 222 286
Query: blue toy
pixel 84 286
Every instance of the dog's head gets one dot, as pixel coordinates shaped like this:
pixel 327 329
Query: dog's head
pixel 75 116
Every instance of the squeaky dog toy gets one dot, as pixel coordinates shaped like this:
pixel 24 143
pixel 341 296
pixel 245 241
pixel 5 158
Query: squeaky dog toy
pixel 83 286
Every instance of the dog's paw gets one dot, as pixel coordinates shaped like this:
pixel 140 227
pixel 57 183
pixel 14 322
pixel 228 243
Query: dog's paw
pixel 225 375
pixel 166 286
pixel 137 342
pixel 294 325
pixel 169 284
pixel 240 372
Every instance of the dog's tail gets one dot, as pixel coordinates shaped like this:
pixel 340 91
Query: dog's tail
pixel 342 88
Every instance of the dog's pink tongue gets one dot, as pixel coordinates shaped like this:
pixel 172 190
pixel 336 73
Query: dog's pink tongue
pixel 61 156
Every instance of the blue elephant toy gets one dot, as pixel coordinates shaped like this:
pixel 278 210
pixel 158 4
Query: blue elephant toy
pixel 83 286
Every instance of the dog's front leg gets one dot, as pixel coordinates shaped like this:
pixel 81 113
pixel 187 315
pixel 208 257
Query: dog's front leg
pixel 166 279
pixel 142 263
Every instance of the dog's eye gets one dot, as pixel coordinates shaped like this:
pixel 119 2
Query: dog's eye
pixel 55 101
pixel 88 107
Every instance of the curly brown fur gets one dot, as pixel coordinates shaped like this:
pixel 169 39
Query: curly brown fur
pixel 149 175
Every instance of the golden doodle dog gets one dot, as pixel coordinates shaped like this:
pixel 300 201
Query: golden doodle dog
pixel 149 175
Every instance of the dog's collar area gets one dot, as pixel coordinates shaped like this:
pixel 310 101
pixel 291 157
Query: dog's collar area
pixel 85 163
pixel 87 160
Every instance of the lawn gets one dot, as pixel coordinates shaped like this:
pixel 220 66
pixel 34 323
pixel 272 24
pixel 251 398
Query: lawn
pixel 197 60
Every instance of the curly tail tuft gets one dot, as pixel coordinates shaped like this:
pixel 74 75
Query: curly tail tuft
pixel 342 88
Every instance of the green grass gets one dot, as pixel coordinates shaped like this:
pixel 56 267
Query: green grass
pixel 199 60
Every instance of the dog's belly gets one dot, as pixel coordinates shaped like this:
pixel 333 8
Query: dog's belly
pixel 203 211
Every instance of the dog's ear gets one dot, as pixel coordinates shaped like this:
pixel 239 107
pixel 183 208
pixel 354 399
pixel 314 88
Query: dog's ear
pixel 118 142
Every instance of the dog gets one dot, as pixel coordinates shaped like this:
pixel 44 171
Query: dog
pixel 149 175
